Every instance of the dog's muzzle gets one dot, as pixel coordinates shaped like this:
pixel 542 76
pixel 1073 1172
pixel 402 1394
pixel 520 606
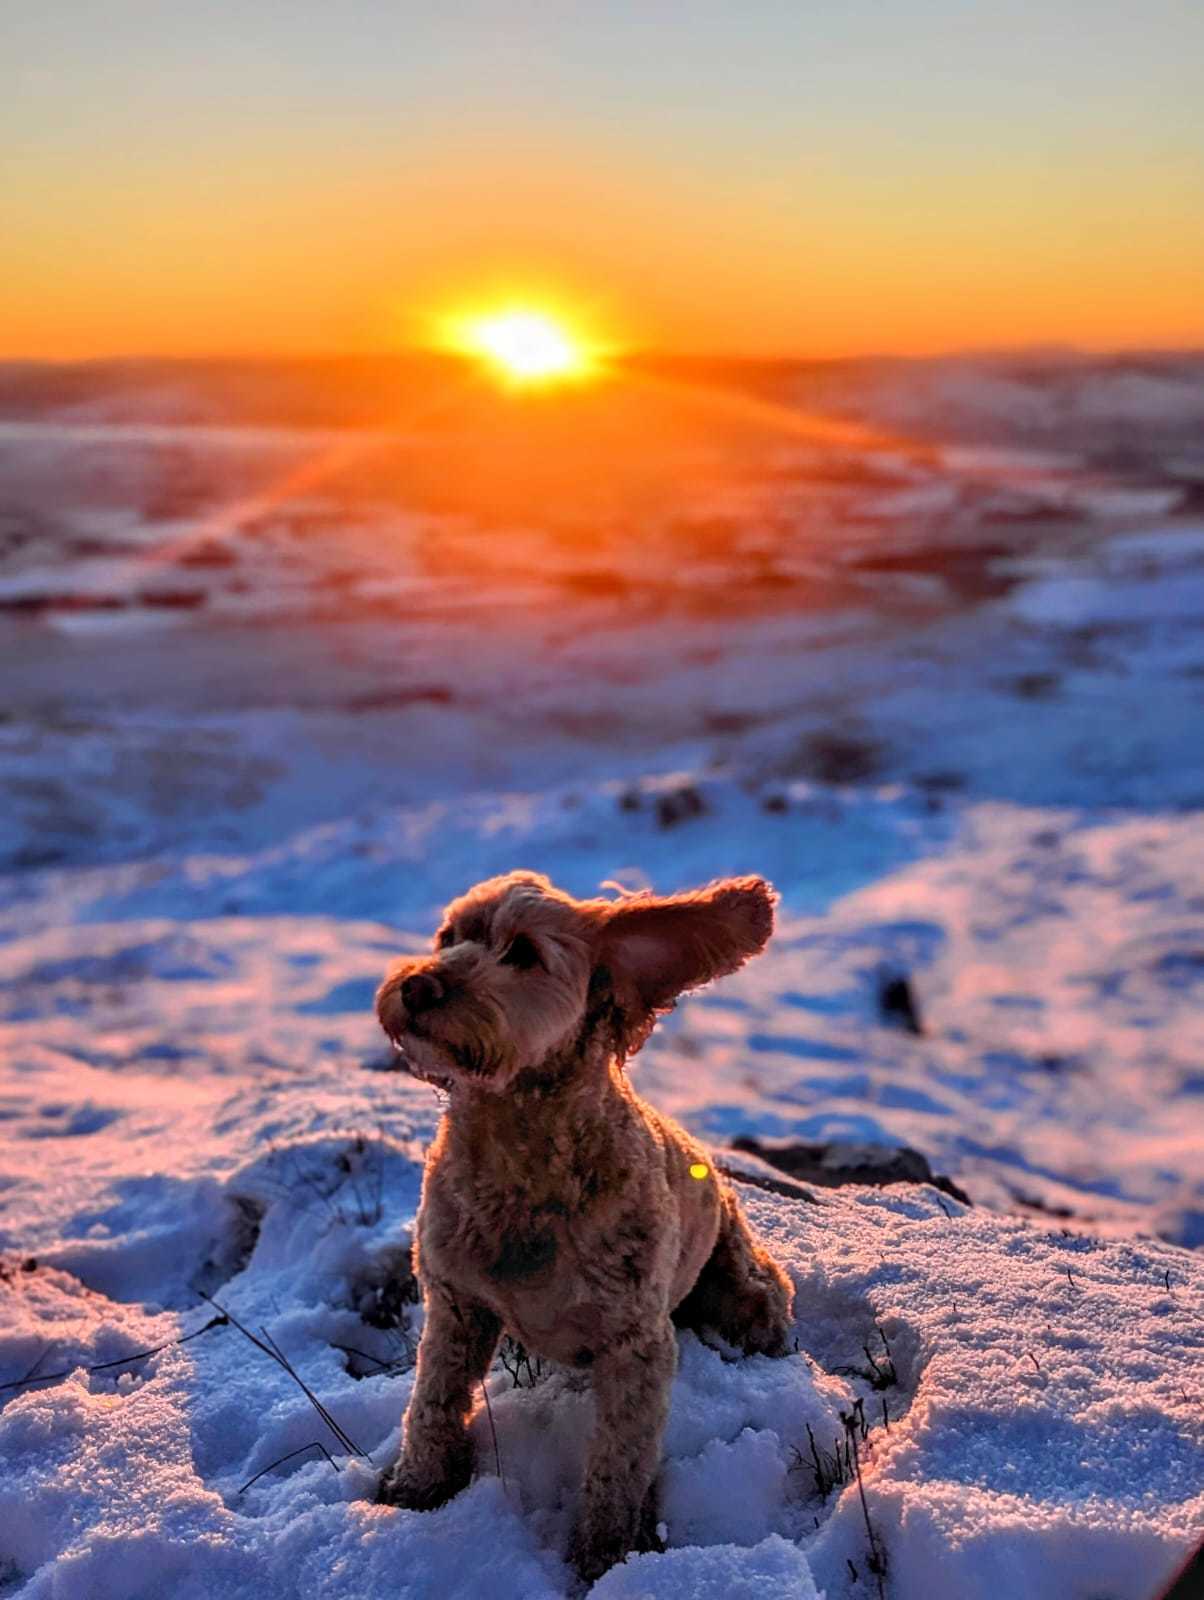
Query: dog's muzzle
pixel 404 998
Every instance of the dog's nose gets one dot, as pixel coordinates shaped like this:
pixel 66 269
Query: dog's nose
pixel 420 991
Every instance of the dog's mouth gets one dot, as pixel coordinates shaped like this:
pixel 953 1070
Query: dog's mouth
pixel 414 1055
pixel 417 1055
pixel 435 1047
pixel 438 1061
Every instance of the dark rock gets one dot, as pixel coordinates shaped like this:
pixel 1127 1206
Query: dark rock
pixel 969 571
pixel 758 1180
pixel 1024 512
pixel 34 858
pixel 208 553
pixel 35 604
pixel 173 599
pixel 941 782
pixel 833 757
pixel 837 1163
pixel 729 721
pixel 678 805
pixel 1034 1202
pixel 897 1005
pixel 1036 685
pixel 399 699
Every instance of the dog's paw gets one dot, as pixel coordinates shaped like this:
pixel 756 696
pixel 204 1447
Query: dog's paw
pixel 770 1338
pixel 767 1332
pixel 765 1324
pixel 595 1546
pixel 412 1489
pixel 591 1555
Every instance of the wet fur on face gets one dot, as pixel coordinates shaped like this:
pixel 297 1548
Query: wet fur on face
pixel 556 1204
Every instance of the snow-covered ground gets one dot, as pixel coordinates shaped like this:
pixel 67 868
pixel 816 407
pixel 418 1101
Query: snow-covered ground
pixel 946 695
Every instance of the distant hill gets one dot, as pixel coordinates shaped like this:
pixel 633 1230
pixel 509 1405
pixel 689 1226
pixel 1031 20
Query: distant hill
pixel 1057 398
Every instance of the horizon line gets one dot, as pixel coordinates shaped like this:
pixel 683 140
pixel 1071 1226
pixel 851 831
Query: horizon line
pixel 1035 349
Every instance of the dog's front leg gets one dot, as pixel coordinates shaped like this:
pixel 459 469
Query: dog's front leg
pixel 458 1341
pixel 631 1394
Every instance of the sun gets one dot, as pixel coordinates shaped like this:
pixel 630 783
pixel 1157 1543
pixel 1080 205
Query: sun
pixel 523 345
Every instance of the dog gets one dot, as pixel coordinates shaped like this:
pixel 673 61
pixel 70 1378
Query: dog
pixel 556 1204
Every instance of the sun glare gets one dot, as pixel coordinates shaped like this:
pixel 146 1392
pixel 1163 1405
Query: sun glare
pixel 524 346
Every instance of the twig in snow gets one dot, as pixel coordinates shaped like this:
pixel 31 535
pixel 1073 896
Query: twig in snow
pixel 881 1373
pixel 308 1178
pixel 314 1444
pixel 1033 1359
pixel 514 1356
pixel 831 1471
pixel 857 1416
pixel 380 1171
pixel 29 1371
pixel 886 1374
pixel 336 1428
pixel 123 1361
pixel 363 1213
pixel 877 1560
pixel 367 1215
pixel 270 1349
pixel 366 1355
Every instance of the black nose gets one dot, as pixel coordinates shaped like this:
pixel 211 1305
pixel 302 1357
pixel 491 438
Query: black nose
pixel 420 992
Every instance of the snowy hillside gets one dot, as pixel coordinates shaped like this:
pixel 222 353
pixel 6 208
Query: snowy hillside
pixel 945 695
pixel 1024 1405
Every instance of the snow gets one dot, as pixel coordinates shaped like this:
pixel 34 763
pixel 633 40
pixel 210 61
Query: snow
pixel 721 1572
pixel 1041 1418
pixel 944 699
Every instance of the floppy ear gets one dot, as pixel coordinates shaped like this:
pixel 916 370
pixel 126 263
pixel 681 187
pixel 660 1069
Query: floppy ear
pixel 654 947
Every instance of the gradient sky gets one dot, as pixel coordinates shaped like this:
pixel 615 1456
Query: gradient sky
pixel 808 178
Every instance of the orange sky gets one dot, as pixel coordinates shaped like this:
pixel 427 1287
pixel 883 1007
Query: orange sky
pixel 893 180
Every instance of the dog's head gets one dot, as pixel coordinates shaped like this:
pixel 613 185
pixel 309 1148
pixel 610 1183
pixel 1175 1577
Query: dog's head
pixel 522 975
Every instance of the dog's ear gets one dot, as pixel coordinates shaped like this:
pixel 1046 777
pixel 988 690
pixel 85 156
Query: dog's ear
pixel 654 948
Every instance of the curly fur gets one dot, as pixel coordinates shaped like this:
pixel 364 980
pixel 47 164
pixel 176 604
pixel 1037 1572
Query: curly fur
pixel 556 1204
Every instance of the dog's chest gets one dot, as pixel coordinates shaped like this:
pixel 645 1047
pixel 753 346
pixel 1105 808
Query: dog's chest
pixel 524 1261
pixel 529 1266
pixel 523 1255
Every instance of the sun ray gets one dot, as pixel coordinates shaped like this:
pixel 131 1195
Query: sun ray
pixel 335 456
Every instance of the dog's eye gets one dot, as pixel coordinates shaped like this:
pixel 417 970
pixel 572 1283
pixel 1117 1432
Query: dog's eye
pixel 520 952
pixel 444 938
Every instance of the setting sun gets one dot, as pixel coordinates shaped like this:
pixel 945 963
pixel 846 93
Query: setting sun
pixel 524 345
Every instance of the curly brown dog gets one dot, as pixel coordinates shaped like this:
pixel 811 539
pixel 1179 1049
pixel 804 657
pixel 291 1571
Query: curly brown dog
pixel 556 1204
